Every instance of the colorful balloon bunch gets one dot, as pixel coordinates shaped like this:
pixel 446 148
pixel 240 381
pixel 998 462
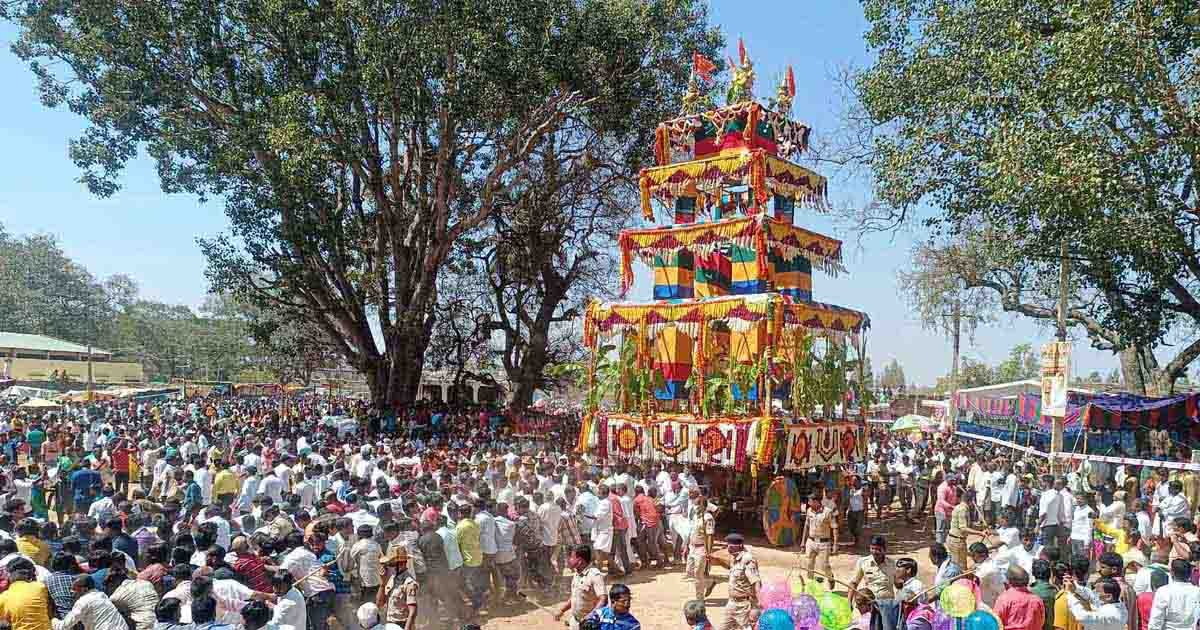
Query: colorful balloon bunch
pixel 792 607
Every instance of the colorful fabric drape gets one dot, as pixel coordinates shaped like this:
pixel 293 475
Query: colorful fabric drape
pixel 713 271
pixel 697 135
pixel 737 312
pixel 792 277
pixel 1128 412
pixel 763 173
pixel 685 210
pixel 817 444
pixel 763 236
pixel 674 275
pixel 673 358
pixel 726 442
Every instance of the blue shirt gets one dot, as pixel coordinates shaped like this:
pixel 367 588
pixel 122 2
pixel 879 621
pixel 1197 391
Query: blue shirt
pixel 340 585
pixel 612 620
pixel 86 483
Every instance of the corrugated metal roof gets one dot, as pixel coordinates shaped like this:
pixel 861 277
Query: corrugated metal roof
pixel 42 343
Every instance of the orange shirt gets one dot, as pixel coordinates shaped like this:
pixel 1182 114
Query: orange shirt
pixel 646 511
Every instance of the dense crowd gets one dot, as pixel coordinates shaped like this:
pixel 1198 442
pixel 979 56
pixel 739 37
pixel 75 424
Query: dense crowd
pixel 304 513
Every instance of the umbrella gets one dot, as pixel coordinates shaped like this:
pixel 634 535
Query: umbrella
pixel 39 403
pixel 911 422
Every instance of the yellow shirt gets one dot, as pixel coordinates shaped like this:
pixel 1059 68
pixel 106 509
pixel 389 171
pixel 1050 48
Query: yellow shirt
pixel 26 606
pixel 36 549
pixel 1063 619
pixel 467 533
pixel 225 482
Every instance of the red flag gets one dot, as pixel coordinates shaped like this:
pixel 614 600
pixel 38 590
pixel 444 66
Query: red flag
pixel 702 66
pixel 791 82
pixel 741 51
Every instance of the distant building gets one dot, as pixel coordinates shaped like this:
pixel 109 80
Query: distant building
pixel 39 358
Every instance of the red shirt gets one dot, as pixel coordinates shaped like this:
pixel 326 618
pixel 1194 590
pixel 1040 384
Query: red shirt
pixel 1019 609
pixel 120 459
pixel 1144 601
pixel 619 520
pixel 253 569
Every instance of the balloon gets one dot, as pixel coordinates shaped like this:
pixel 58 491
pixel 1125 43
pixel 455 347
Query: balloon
pixel 835 611
pixel 805 610
pixel 775 619
pixel 980 620
pixel 942 621
pixel 776 594
pixel 816 586
pixel 797 585
pixel 958 600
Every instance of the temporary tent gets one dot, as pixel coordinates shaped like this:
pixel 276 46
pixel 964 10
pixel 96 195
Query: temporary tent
pixel 39 403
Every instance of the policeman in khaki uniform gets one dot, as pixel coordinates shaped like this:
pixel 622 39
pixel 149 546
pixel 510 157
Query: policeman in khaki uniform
pixel 399 594
pixel 700 546
pixel 744 581
pixel 959 527
pixel 820 536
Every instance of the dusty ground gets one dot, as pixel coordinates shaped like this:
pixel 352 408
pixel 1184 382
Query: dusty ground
pixel 659 595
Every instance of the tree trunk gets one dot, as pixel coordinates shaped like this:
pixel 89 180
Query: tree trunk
pixel 1139 369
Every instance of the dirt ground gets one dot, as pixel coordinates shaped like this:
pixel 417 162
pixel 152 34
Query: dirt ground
pixel 659 595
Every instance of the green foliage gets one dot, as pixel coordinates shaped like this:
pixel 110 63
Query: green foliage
pixel 1042 123
pixel 44 292
pixel 1022 363
pixel 354 143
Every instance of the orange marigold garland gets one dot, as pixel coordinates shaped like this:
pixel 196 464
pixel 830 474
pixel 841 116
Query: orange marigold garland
pixel 644 186
pixel 758 176
pixel 662 145
pixel 626 264
pixel 751 123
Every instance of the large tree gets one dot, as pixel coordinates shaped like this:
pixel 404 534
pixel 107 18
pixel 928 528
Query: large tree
pixel 45 292
pixel 354 143
pixel 1049 123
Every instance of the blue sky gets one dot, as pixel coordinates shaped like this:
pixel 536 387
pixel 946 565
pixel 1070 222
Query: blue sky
pixel 151 236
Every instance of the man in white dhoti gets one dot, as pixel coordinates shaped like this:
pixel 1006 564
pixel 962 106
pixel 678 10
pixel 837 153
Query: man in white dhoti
pixel 602 527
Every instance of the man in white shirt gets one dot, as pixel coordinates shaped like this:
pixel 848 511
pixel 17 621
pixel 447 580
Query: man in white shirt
pixel 272 486
pixel 1173 506
pixel 551 517
pixel 1108 613
pixel 980 478
pixel 1021 555
pixel 1049 512
pixel 245 500
pixel 1066 512
pixel 1177 605
pixel 1083 525
pixel 318 591
pixel 991 578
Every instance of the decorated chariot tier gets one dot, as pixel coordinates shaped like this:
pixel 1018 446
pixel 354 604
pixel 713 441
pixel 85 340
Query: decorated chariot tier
pixel 733 364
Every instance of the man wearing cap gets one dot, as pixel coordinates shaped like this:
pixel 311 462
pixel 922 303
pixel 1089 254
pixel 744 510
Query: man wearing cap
pixel 820 535
pixel 744 581
pixel 700 546
pixel 399 595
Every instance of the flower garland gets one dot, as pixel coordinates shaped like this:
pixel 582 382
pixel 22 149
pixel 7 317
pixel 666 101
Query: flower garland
pixel 662 142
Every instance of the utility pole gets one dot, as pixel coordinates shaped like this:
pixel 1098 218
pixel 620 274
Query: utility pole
pixel 89 381
pixel 1064 283
pixel 956 336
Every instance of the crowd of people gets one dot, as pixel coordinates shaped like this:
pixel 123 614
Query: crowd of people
pixel 257 512
pixel 1095 547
